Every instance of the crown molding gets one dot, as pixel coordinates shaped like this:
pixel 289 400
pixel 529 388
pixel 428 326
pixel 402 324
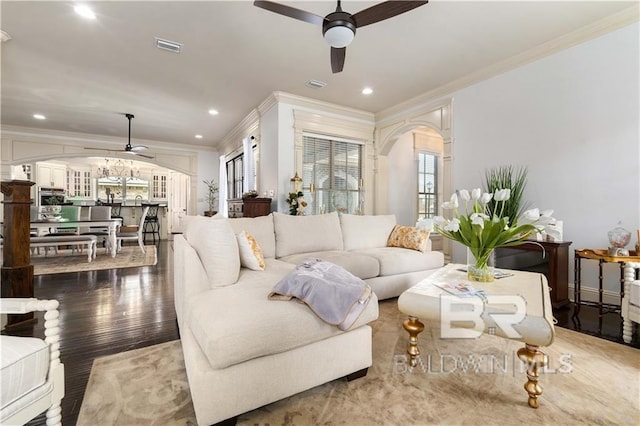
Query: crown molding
pixel 319 106
pixel 79 139
pixel 601 27
pixel 247 126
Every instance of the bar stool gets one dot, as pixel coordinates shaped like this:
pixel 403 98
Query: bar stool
pixel 151 222
pixel 115 210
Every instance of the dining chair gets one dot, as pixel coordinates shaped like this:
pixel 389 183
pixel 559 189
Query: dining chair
pixel 68 213
pixel 132 236
pixel 100 213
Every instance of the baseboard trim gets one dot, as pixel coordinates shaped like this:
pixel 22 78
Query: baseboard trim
pixel 590 294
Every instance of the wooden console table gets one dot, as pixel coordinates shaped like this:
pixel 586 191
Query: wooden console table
pixel 554 264
pixel 602 256
pixel 254 207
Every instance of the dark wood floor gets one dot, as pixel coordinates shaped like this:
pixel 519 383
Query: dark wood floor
pixel 107 312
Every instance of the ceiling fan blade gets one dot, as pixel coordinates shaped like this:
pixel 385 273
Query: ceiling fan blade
pixel 289 11
pixel 143 155
pixel 137 148
pixel 385 10
pixel 337 58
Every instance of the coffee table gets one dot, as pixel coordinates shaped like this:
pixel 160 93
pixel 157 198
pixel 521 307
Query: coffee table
pixel 516 307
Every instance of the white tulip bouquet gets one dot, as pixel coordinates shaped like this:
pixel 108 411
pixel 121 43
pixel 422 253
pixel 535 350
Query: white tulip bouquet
pixel 482 230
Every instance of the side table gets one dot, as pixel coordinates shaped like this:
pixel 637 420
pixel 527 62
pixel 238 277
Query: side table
pixel 602 256
pixel 553 262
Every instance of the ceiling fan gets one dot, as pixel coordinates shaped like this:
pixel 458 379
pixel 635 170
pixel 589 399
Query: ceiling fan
pixel 128 148
pixel 339 27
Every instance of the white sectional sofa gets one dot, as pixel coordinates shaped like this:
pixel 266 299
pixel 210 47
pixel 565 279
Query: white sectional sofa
pixel 242 350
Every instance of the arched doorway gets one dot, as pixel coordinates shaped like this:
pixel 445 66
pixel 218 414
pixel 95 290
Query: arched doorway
pixel 429 123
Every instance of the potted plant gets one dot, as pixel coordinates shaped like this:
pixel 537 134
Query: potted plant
pixel 212 196
pixel 513 179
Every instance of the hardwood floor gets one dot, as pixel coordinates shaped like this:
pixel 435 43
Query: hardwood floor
pixel 112 311
pixel 103 313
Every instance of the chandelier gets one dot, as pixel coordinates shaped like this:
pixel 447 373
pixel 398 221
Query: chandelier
pixel 117 171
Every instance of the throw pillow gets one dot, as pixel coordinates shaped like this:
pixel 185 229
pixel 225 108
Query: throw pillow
pixel 250 252
pixel 409 237
pixel 217 247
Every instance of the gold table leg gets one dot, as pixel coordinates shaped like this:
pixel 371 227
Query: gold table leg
pixel 413 327
pixel 535 359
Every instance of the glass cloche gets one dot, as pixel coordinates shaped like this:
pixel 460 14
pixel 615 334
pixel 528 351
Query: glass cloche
pixel 619 237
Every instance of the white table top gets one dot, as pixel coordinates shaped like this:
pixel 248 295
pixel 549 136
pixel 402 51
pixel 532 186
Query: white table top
pixel 424 301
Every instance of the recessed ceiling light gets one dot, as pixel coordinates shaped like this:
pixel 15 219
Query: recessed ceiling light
pixel 198 136
pixel 315 84
pixel 171 46
pixel 367 91
pixel 213 112
pixel 39 117
pixel 84 11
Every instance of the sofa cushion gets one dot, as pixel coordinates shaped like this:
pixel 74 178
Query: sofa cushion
pixel 301 234
pixel 262 230
pixel 239 323
pixel 368 231
pixel 360 265
pixel 395 260
pixel 24 363
pixel 250 252
pixel 409 237
pixel 217 247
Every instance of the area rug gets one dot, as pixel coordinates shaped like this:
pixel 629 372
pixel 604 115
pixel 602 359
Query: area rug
pixel 479 381
pixel 64 261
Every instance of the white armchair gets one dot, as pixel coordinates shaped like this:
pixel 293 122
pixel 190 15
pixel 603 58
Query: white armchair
pixel 630 301
pixel 31 373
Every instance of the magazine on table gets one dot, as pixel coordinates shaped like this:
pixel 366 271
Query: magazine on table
pixel 461 289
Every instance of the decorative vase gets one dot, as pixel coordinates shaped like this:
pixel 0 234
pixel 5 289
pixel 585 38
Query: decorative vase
pixel 481 268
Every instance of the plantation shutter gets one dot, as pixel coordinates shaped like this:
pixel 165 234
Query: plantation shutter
pixel 334 167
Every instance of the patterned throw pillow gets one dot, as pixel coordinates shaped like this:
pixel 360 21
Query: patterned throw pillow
pixel 250 252
pixel 408 237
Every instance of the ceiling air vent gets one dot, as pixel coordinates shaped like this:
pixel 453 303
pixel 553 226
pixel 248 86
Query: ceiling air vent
pixel 168 45
pixel 315 84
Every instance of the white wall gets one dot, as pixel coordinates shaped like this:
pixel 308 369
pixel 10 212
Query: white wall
pixel 572 119
pixel 268 179
pixel 208 168
pixel 403 181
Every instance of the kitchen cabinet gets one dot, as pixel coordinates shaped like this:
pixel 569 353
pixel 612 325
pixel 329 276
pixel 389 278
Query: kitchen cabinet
pixel 51 175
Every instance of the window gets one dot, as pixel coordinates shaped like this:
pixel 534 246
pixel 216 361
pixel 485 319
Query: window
pixel 427 185
pixel 235 175
pixel 123 189
pixel 335 169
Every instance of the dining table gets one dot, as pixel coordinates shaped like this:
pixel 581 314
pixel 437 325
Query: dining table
pixel 112 226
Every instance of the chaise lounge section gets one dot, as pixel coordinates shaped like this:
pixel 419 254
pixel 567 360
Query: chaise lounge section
pixel 242 350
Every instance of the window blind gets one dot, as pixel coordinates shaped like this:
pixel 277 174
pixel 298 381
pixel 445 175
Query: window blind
pixel 334 167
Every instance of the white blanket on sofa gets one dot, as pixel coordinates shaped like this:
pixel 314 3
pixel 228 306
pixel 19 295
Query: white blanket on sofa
pixel 334 294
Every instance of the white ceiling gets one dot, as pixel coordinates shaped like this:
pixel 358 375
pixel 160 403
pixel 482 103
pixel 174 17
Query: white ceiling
pixel 83 74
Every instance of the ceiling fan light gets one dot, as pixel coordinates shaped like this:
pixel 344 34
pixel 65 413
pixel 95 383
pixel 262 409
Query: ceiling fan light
pixel 339 36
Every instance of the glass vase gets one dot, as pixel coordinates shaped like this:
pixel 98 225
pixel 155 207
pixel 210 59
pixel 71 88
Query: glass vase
pixel 481 267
